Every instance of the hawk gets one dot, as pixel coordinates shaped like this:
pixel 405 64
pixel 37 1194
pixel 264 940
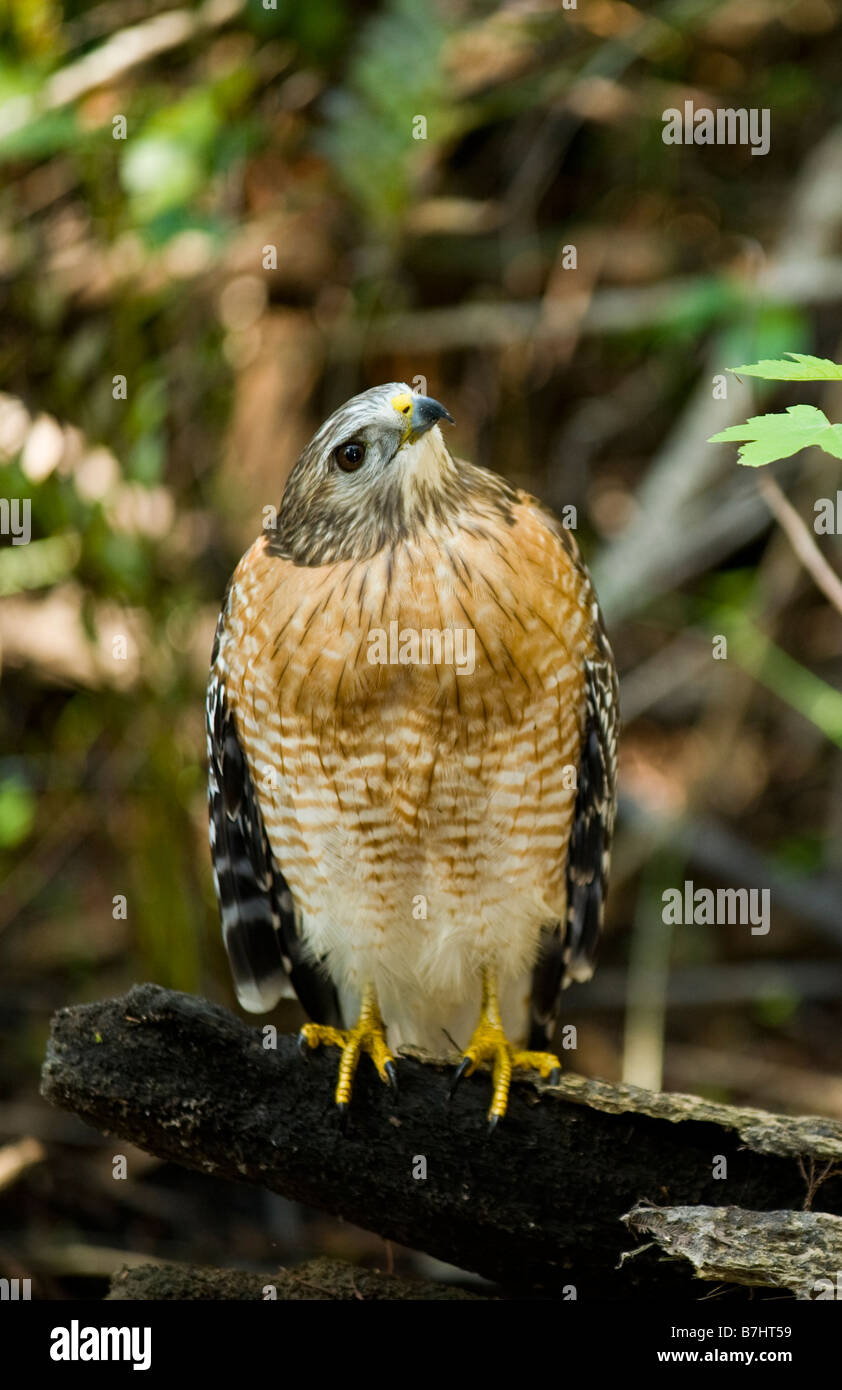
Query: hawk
pixel 412 729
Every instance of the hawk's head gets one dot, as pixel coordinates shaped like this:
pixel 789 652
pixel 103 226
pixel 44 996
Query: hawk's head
pixel 377 470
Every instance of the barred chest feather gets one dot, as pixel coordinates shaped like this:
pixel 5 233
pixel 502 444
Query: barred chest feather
pixel 421 809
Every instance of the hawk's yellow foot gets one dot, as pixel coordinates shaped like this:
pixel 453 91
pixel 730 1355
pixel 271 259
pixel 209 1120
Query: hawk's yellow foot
pixel 367 1035
pixel 489 1044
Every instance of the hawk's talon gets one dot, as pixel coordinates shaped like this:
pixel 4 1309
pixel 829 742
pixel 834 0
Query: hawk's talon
pixel 461 1070
pixel 489 1044
pixel 367 1035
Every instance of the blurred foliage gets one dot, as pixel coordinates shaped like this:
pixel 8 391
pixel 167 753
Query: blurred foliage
pixel 17 812
pixel 394 81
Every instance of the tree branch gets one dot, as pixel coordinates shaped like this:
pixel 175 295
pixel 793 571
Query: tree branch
pixel 536 1207
pixel 802 540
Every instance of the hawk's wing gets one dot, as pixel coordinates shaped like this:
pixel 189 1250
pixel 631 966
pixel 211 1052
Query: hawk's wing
pixel 258 913
pixel 569 949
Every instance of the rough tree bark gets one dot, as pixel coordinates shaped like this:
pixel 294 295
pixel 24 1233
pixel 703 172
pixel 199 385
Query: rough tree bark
pixel 316 1281
pixel 796 1250
pixel 536 1207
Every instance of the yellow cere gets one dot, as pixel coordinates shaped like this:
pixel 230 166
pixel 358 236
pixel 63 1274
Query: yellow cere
pixel 403 405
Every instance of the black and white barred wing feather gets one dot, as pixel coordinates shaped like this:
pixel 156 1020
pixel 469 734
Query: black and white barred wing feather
pixel 589 853
pixel 258 912
pixel 570 948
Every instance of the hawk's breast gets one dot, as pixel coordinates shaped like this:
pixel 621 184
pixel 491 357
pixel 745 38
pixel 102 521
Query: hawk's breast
pixel 412 723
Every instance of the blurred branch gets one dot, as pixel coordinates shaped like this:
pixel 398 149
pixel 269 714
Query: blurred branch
pixel 120 53
pixel 627 310
pixel 802 540
pixel 812 900
pixel 699 986
pixel 79 1259
pixel 312 1281
pixel 647 982
pixel 683 660
pixel 770 1081
pixel 15 1159
pixel 189 1082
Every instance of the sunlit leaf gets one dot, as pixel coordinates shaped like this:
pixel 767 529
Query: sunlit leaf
pixel 771 437
pixel 803 367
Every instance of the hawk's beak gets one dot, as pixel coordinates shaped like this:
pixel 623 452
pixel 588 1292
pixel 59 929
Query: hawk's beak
pixel 419 414
pixel 425 413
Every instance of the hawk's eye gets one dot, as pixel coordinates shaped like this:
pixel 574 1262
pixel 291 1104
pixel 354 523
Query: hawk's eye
pixel 350 456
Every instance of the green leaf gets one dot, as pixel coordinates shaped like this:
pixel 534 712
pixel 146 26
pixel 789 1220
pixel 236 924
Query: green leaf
pixel 39 564
pixel 771 332
pixel 771 437
pixel 803 367
pixel 160 171
pixel 17 812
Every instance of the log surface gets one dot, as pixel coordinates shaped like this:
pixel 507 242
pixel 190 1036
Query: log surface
pixel 316 1281
pixel 796 1250
pixel 537 1207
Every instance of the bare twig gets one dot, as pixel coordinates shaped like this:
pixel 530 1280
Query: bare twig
pixel 801 540
pixel 814 1177
pixel 16 1158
